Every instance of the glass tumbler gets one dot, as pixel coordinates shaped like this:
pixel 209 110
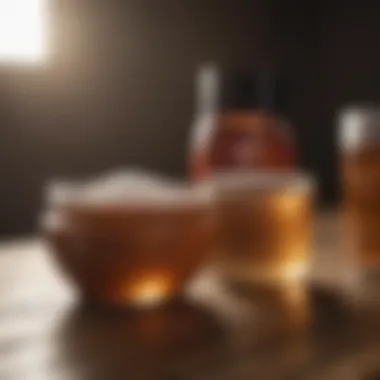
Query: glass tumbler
pixel 359 145
pixel 266 225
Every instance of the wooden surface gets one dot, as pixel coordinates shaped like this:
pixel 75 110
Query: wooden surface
pixel 327 329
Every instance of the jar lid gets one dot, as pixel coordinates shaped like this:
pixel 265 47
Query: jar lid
pixel 245 89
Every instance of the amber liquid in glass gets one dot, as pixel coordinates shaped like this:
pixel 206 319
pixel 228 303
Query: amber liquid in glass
pixel 265 235
pixel 361 191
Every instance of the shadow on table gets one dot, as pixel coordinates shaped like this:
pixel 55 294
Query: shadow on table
pixel 311 307
pixel 158 344
pixel 288 331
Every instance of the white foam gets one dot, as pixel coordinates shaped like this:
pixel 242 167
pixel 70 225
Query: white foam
pixel 130 187
pixel 52 221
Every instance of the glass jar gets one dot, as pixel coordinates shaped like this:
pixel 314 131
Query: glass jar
pixel 240 124
pixel 359 145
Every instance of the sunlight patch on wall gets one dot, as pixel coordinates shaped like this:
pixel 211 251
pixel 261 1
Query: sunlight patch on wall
pixel 23 31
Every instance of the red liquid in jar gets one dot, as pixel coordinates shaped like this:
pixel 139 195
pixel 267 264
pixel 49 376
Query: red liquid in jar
pixel 245 141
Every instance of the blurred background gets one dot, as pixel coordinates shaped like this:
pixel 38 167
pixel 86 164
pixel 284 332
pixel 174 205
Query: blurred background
pixel 116 87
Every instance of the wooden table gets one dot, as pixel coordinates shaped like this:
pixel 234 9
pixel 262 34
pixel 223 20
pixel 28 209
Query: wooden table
pixel 327 329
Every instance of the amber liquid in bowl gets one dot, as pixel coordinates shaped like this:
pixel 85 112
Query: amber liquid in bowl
pixel 133 255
